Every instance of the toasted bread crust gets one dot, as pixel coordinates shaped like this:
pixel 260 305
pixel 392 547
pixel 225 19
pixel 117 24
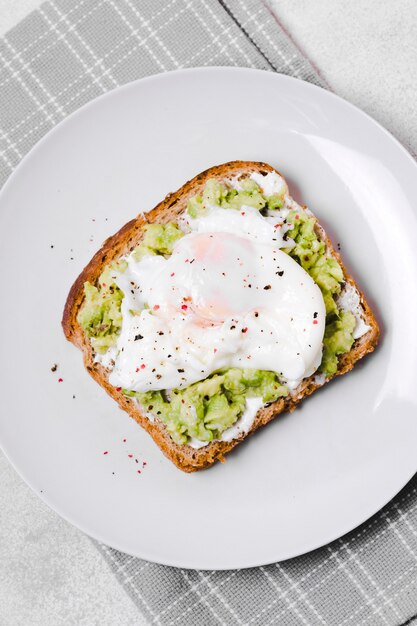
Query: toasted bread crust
pixel 186 458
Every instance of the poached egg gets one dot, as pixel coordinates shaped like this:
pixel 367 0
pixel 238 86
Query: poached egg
pixel 228 296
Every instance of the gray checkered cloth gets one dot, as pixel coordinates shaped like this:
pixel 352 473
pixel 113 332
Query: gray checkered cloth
pixel 63 55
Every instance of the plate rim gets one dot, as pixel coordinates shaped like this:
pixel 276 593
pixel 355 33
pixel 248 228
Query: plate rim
pixel 3 192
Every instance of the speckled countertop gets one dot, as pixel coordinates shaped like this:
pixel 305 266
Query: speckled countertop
pixel 51 573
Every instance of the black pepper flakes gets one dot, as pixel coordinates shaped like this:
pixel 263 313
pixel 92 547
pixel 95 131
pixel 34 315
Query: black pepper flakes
pixel 137 337
pixel 267 287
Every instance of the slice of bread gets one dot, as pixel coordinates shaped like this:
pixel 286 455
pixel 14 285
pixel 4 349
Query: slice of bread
pixel 185 457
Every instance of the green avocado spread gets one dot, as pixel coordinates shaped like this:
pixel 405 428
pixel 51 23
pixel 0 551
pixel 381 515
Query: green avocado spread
pixel 100 316
pixel 204 410
pixel 216 193
pixel 158 239
pixel 327 273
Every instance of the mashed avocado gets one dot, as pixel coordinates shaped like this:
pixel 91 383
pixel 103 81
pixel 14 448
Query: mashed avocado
pixel 327 273
pixel 158 239
pixel 218 194
pixel 100 316
pixel 338 339
pixel 207 408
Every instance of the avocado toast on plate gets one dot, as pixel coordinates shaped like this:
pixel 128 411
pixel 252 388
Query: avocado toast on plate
pixel 221 308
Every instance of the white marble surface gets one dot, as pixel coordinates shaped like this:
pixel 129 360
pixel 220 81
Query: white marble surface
pixel 50 573
pixel 366 51
pixel 12 11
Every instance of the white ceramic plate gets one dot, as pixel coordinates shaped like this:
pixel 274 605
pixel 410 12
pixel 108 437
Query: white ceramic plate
pixel 306 479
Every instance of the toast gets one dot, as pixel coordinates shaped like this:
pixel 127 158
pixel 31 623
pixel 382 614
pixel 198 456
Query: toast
pixel 185 457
